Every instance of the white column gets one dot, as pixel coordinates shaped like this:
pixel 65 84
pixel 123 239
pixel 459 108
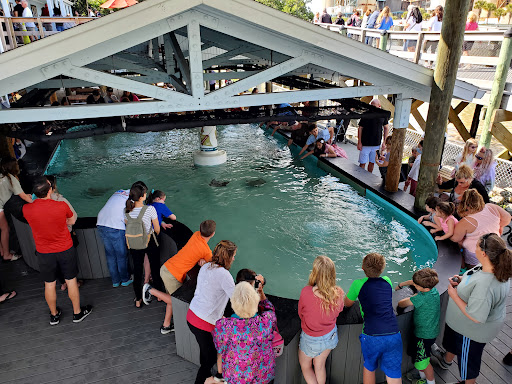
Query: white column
pixel 62 8
pixel 50 6
pixel 5 7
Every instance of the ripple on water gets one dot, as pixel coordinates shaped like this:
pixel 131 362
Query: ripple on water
pixel 280 225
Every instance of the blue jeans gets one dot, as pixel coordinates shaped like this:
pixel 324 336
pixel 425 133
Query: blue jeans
pixel 116 253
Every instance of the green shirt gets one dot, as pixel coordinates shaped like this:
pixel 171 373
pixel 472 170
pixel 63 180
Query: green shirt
pixel 427 309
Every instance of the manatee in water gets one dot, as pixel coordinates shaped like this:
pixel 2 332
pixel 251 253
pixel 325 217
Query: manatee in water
pixel 256 182
pixel 218 183
pixel 97 192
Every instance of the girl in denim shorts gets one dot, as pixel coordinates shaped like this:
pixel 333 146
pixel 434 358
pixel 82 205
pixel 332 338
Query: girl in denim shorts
pixel 320 303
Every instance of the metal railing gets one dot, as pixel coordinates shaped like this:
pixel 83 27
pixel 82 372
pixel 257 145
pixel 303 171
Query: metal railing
pixel 14 33
pixel 481 47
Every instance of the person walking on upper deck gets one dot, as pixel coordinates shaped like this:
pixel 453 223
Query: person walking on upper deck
pixel 49 220
pixel 30 26
pixel 412 24
pixel 370 137
pixel 325 18
pixel 385 21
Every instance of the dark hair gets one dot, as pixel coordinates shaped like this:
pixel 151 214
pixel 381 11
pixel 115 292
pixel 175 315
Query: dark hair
pixel 223 254
pixel 136 192
pixel 140 184
pixel 311 127
pixel 95 92
pixel 245 275
pixel 125 99
pixel 448 208
pixel 55 104
pixel 41 186
pixel 388 140
pixel 420 144
pixel 318 151
pixel 426 278
pixel 432 202
pixel 440 12
pixel 52 180
pixel 207 228
pixel 155 195
pixel 499 255
pixel 9 166
pixel 416 13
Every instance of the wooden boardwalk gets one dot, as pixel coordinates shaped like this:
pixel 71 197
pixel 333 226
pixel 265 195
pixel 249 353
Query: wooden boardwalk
pixel 118 343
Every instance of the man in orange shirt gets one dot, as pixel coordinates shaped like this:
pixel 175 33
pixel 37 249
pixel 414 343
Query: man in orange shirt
pixel 174 271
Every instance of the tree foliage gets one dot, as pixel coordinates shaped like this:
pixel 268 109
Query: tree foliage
pixel 499 13
pixel 297 8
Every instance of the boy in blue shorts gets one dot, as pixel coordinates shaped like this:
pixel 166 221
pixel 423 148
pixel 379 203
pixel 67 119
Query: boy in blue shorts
pixel 381 341
pixel 427 309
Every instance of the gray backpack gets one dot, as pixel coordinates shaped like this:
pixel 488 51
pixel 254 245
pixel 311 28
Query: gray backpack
pixel 136 236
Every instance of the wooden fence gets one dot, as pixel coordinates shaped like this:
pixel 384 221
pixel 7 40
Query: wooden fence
pixel 12 28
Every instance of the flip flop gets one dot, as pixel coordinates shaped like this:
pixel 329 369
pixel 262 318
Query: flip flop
pixel 15 257
pixel 10 296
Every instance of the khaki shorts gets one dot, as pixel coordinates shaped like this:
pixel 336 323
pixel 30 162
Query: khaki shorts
pixel 170 282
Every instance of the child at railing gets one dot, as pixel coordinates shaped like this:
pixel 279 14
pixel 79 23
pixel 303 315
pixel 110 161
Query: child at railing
pixel 444 220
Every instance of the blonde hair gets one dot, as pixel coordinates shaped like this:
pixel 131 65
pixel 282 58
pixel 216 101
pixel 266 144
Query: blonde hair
pixel 323 275
pixel 464 172
pixel 472 17
pixel 223 254
pixel 488 159
pixel 465 151
pixel 383 14
pixel 245 300
pixel 471 202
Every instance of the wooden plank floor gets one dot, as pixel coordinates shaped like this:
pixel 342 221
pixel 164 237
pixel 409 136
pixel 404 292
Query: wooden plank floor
pixel 117 343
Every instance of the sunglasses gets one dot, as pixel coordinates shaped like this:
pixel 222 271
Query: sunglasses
pixel 472 146
pixel 474 270
pixel 479 157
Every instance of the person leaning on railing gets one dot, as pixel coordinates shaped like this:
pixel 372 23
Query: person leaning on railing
pixel 464 180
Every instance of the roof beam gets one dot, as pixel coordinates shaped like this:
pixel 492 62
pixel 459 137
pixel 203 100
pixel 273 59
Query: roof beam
pixel 180 59
pixel 195 59
pixel 120 82
pixel 225 57
pixel 260 77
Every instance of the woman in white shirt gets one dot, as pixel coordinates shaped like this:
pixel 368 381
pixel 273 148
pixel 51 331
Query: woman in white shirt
pixel 434 24
pixel 413 24
pixel 134 206
pixel 215 286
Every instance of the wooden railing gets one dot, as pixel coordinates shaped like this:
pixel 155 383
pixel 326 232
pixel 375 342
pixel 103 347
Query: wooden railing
pixel 12 29
pixel 423 38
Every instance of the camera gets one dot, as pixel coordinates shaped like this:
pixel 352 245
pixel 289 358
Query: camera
pixel 257 283
pixel 456 279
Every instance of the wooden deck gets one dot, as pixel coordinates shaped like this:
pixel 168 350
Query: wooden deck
pixel 118 343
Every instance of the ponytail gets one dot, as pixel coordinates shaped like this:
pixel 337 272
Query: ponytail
pixel 499 255
pixel 448 208
pixel 155 195
pixel 136 192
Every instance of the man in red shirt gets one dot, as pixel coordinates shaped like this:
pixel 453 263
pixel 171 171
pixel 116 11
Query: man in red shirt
pixel 54 248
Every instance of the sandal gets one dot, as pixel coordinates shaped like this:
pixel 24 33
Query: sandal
pixel 140 303
pixel 10 296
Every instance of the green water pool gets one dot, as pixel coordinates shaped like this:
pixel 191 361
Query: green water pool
pixel 282 212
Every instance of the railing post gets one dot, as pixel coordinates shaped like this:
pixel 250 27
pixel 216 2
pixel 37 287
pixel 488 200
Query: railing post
pixel 10 26
pixel 363 35
pixel 498 85
pixel 383 44
pixel 2 36
pixel 419 43
pixel 343 30
pixel 41 29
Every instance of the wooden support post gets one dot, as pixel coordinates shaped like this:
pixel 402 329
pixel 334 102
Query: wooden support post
pixel 40 27
pixel 475 121
pixel 498 85
pixel 383 44
pixel 500 132
pixel 13 35
pixel 459 125
pixel 460 107
pixel 400 124
pixel 445 74
pixel 419 44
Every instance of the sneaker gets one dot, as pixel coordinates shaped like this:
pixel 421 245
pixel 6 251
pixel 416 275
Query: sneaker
pixel 146 296
pixel 54 320
pixel 166 330
pixel 126 283
pixel 507 360
pixel 413 376
pixel 85 311
pixel 218 378
pixel 439 355
pixel 420 381
pixel 115 285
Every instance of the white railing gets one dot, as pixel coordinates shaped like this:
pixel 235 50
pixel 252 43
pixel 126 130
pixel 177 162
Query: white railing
pixel 482 46
pixel 13 31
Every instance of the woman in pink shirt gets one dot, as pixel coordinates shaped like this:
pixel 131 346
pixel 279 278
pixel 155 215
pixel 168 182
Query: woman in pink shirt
pixel 471 25
pixel 320 303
